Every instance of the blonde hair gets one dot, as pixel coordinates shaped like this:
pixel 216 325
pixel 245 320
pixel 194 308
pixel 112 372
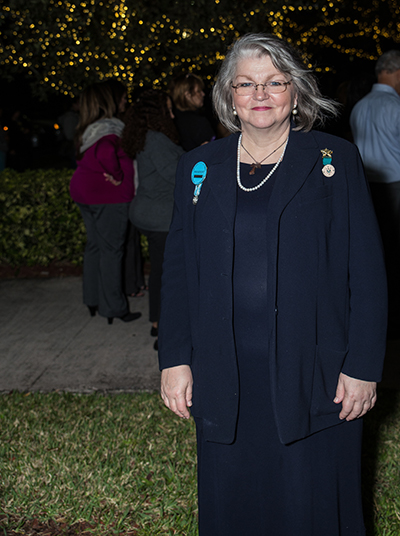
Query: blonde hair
pixel 95 102
pixel 180 86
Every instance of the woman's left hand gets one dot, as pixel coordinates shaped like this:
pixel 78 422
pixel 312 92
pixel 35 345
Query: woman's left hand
pixel 111 179
pixel 357 397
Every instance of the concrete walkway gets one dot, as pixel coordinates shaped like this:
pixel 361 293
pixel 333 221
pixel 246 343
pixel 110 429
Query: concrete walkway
pixel 48 341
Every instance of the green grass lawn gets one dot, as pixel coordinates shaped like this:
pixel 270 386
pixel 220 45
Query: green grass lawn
pixel 125 465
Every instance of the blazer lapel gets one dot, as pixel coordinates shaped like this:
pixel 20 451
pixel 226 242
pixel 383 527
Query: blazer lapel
pixel 302 153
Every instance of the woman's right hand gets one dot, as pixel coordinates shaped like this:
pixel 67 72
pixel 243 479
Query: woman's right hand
pixel 176 389
pixel 111 179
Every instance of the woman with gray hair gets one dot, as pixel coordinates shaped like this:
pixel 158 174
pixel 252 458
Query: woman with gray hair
pixel 273 315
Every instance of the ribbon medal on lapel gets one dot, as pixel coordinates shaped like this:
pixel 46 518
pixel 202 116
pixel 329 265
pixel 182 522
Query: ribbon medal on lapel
pixel 199 173
pixel 328 170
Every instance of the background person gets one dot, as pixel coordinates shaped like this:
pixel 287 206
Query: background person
pixel 68 122
pixel 375 124
pixel 194 129
pixel 150 136
pixel 133 281
pixel 273 317
pixel 102 186
pixel 120 96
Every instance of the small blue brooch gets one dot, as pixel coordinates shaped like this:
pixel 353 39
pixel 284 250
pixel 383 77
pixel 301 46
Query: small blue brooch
pixel 199 173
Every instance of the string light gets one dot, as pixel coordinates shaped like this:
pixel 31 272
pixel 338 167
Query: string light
pixel 73 43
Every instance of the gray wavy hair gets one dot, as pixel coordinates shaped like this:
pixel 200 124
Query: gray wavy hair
pixel 312 107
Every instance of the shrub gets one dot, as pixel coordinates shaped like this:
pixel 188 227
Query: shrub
pixel 39 222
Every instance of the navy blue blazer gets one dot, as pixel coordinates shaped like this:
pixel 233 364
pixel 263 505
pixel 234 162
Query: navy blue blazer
pixel 326 285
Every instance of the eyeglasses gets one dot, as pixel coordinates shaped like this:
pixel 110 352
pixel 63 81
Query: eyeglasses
pixel 272 87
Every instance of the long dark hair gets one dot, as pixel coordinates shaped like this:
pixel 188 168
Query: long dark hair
pixel 150 112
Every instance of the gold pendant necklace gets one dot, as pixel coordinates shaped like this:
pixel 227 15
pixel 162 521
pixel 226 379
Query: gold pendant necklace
pixel 265 178
pixel 257 165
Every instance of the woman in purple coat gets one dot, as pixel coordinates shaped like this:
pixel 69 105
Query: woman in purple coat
pixel 102 186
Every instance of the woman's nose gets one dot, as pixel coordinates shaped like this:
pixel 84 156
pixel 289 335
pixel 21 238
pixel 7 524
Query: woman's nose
pixel 260 93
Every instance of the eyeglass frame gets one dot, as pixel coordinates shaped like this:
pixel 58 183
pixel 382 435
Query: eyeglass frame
pixel 264 86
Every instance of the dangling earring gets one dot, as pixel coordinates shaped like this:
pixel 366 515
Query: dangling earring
pixel 294 111
pixel 234 111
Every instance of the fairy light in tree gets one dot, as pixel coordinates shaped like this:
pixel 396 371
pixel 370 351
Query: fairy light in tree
pixel 71 43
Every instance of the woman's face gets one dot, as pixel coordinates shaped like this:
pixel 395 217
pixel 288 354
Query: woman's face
pixel 170 108
pixel 196 99
pixel 262 110
pixel 122 104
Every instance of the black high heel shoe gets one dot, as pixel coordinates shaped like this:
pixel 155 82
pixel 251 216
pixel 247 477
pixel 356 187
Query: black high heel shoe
pixel 128 317
pixel 92 309
pixel 154 331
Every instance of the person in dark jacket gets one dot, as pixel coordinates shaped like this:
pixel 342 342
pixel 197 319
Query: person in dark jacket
pixel 187 93
pixel 150 136
pixel 273 316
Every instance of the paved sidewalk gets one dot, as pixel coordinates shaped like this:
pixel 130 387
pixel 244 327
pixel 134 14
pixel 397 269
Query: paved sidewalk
pixel 48 341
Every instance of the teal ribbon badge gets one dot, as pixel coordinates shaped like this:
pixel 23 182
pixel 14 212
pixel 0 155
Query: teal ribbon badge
pixel 199 173
pixel 328 170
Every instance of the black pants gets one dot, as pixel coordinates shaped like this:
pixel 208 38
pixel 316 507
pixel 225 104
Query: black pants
pixel 102 264
pixel 133 275
pixel 156 241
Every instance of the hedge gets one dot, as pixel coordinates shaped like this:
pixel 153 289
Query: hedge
pixel 39 222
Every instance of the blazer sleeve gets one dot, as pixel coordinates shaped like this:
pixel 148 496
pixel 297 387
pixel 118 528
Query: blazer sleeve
pixel 367 283
pixel 175 344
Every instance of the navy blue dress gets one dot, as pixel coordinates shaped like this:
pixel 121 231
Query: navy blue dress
pixel 257 486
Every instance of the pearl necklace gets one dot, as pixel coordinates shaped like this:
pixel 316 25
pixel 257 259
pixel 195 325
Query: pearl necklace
pixel 257 165
pixel 265 178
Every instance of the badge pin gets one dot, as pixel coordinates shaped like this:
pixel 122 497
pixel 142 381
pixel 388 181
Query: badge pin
pixel 199 173
pixel 328 170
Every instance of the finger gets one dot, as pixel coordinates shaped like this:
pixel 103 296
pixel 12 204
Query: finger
pixel 373 400
pixel 352 409
pixel 358 408
pixel 165 398
pixel 347 408
pixel 176 404
pixel 340 391
pixel 180 408
pixel 343 414
pixel 368 405
pixel 189 392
